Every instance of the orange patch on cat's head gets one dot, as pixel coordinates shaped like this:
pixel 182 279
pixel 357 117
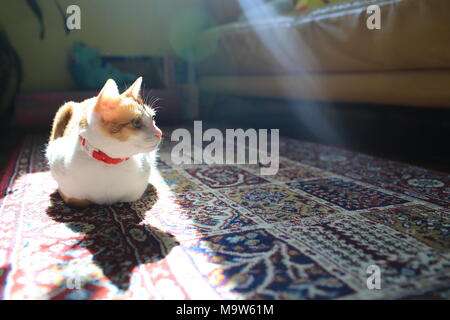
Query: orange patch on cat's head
pixel 119 125
pixel 117 112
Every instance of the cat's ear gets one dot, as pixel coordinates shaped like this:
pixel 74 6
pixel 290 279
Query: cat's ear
pixel 134 89
pixel 107 99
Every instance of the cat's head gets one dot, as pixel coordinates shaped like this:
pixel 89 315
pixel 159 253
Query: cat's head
pixel 121 125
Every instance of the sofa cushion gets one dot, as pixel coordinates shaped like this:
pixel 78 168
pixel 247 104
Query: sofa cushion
pixel 413 36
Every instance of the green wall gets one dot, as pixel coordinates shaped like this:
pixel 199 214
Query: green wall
pixel 116 27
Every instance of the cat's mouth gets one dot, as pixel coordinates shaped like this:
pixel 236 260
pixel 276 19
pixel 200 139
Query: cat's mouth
pixel 149 146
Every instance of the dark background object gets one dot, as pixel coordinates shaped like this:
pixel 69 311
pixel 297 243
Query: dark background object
pixel 34 6
pixel 11 77
pixel 418 136
pixel 150 68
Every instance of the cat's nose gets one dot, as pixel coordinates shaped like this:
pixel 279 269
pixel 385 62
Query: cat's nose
pixel 158 132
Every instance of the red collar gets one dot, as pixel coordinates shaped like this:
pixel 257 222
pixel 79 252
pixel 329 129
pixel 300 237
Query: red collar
pixel 99 155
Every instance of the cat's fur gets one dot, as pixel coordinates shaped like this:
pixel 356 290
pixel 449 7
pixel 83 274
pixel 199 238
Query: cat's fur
pixel 120 126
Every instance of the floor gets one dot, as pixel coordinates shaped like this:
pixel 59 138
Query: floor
pixel 227 232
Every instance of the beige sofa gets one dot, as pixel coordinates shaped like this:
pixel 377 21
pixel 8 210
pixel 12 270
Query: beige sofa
pixel 329 54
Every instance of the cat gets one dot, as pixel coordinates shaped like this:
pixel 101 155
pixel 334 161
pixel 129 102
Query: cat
pixel 101 150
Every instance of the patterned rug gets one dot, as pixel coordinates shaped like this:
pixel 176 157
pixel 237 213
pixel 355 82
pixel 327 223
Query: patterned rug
pixel 226 232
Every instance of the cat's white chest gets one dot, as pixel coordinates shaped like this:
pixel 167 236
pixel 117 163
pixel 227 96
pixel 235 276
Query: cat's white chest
pixel 81 177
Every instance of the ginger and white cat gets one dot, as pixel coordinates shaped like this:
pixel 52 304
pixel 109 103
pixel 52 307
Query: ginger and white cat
pixel 101 150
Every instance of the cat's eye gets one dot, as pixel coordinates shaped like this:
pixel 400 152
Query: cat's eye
pixel 153 117
pixel 137 123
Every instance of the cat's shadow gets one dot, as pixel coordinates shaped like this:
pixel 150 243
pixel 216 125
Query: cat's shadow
pixel 115 235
